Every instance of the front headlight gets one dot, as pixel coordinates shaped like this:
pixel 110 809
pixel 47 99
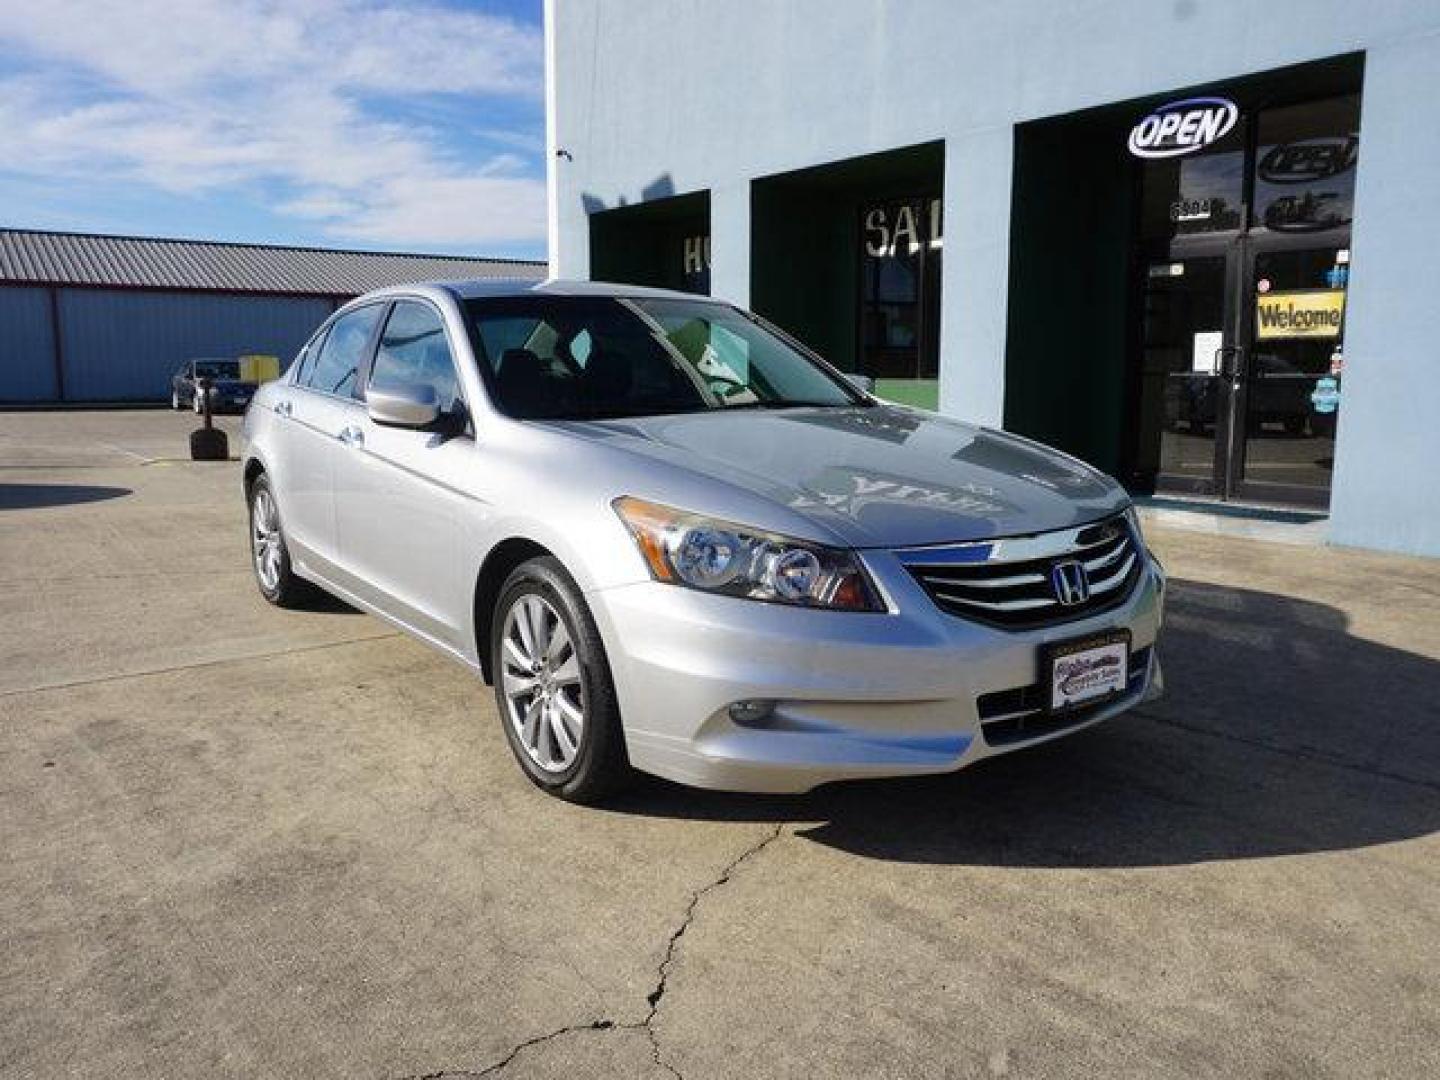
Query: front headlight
pixel 720 557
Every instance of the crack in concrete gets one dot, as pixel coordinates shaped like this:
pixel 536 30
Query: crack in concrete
pixel 653 999
pixel 667 963
pixel 515 1051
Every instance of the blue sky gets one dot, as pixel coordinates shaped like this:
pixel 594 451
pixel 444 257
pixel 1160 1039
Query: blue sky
pixel 384 124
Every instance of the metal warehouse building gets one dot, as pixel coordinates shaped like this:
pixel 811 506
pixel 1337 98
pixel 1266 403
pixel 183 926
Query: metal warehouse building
pixel 87 318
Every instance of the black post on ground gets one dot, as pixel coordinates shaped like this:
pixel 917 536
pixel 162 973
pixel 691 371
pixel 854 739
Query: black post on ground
pixel 208 443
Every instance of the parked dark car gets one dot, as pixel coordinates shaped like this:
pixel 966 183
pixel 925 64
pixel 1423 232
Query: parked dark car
pixel 227 390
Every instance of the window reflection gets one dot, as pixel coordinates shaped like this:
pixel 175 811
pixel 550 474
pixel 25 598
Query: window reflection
pixel 1202 193
pixel 1305 165
pixel 901 247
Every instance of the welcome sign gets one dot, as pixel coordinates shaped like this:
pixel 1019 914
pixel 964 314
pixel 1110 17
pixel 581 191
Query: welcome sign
pixel 1311 313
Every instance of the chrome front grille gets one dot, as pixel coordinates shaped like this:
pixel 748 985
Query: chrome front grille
pixel 1013 583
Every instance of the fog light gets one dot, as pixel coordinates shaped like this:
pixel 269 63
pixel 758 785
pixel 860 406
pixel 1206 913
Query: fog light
pixel 751 713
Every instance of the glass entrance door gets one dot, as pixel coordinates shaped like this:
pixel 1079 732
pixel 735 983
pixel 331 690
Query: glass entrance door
pixel 1297 273
pixel 1293 372
pixel 1185 355
pixel 1246 255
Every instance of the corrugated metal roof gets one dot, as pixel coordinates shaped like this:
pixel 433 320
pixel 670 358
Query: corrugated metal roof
pixel 56 258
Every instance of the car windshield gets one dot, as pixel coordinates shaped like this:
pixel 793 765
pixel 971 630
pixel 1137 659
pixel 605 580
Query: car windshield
pixel 217 369
pixel 586 358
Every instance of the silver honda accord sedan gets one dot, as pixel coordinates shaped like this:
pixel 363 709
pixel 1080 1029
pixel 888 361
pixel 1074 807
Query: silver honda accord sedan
pixel 676 541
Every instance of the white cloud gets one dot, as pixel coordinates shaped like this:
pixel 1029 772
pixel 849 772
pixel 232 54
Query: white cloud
pixel 318 206
pixel 457 210
pixel 191 97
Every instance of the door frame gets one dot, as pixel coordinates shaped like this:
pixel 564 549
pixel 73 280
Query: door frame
pixel 1250 247
pixel 1227 374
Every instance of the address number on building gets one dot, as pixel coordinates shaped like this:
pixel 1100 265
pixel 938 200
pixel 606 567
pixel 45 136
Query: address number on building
pixel 1191 209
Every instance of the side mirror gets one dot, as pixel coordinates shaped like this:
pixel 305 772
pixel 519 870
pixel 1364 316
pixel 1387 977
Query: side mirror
pixel 861 382
pixel 403 406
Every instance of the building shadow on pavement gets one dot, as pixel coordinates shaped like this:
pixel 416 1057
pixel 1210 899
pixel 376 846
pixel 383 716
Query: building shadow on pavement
pixel 1280 733
pixel 35 496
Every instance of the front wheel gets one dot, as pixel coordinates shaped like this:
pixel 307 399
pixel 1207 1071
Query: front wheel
pixel 278 582
pixel 553 687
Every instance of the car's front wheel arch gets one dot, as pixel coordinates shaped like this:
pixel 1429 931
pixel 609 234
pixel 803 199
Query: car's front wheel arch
pixel 254 468
pixel 553 689
pixel 502 560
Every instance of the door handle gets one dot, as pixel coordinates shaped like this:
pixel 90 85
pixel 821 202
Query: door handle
pixel 1231 370
pixel 352 436
pixel 284 407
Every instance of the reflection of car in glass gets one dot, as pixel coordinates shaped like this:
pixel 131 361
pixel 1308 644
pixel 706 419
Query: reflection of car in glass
pixel 674 540
pixel 1304 213
pixel 1278 393
pixel 228 392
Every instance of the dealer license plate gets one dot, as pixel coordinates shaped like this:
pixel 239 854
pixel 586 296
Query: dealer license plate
pixel 1086 670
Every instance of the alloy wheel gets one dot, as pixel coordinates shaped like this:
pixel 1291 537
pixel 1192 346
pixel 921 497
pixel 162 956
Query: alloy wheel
pixel 265 539
pixel 540 677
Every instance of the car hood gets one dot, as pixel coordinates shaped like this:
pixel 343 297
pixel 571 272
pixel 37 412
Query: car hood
pixel 876 476
pixel 232 386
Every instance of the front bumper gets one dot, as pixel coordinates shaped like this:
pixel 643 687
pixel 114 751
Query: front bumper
pixel 857 695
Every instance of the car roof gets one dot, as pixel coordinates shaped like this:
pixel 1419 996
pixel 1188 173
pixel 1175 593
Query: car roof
pixel 477 288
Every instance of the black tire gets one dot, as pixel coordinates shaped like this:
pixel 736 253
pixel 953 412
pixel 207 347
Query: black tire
pixel 288 590
pixel 600 766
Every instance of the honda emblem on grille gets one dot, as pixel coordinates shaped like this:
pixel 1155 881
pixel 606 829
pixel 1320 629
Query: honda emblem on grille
pixel 1070 582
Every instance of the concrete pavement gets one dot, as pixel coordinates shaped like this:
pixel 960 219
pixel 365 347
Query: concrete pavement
pixel 245 842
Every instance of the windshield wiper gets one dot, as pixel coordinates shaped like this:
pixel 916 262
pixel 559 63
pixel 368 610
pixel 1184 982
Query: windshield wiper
pixel 788 405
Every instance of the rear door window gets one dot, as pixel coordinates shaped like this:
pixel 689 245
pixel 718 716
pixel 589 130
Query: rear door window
pixel 337 365
pixel 304 361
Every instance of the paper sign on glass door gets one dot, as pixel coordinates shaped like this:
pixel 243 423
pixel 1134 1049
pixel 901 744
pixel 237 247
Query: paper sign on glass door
pixel 1206 343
